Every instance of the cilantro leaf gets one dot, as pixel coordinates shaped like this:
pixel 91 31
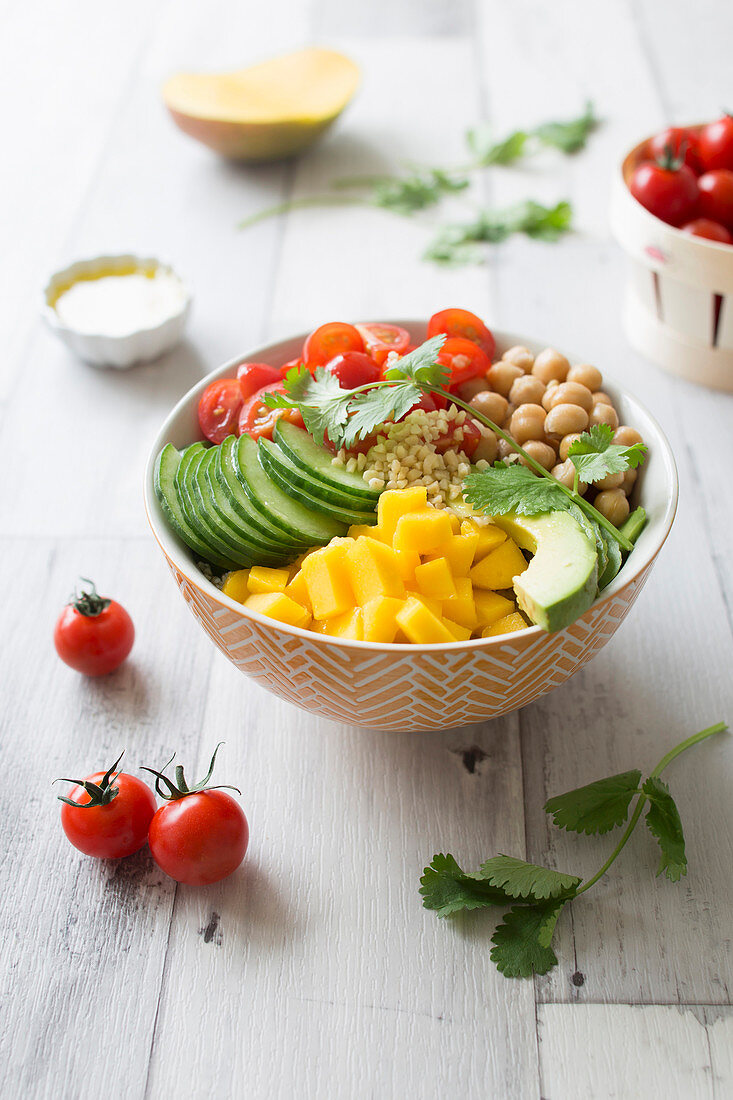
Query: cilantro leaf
pixel 520 879
pixel 456 243
pixel 569 136
pixel 501 489
pixel 447 889
pixel 322 403
pixel 595 456
pixel 414 192
pixel 372 407
pixel 421 364
pixel 663 821
pixel 597 807
pixel 522 942
pixel 488 152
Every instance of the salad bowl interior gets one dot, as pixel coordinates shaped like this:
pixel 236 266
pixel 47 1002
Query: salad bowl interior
pixel 412 687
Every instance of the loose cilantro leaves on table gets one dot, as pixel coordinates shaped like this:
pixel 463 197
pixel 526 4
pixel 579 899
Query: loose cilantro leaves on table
pixel 535 896
pixel 457 244
pixel 487 151
pixel 594 455
pixel 570 136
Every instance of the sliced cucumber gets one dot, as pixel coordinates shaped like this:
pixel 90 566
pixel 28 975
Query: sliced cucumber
pixel 227 473
pixel 201 520
pixel 282 471
pixel 294 518
pixel 301 479
pixel 307 455
pixel 164 483
pixel 226 513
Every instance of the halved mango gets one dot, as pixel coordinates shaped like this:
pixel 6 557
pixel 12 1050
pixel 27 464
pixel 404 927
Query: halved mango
pixel 265 112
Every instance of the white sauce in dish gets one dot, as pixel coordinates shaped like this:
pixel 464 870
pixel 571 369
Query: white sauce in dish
pixel 115 305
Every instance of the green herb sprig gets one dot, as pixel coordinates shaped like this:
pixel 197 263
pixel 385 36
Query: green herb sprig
pixel 457 244
pixel 535 896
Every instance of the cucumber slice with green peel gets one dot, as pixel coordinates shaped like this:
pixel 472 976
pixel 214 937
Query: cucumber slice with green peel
pixel 187 456
pixel 227 472
pixel 633 525
pixel 305 453
pixel 226 513
pixel 284 474
pixel 164 483
pixel 301 479
pixel 296 520
pixel 203 523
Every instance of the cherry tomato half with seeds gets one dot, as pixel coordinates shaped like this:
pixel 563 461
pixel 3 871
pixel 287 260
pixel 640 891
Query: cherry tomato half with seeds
pixel 108 814
pixel 93 634
pixel 219 407
pixel 253 376
pixel 258 419
pixel 670 193
pixel 463 323
pixel 469 443
pixel 716 196
pixel 464 359
pixel 289 366
pixel 715 144
pixel 354 369
pixel 681 142
pixel 330 340
pixel 710 230
pixel 380 339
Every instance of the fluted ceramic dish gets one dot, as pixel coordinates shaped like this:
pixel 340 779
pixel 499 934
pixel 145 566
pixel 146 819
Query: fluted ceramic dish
pixel 413 687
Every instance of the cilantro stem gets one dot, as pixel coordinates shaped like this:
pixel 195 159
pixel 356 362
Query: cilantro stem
pixel 684 745
pixel 298 204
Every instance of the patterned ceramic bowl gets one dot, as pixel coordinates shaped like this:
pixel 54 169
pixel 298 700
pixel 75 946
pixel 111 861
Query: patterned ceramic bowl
pixel 411 687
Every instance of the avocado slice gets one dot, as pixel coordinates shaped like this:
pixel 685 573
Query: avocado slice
pixel 561 581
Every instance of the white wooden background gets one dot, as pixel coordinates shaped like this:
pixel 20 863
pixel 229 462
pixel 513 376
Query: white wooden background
pixel 314 971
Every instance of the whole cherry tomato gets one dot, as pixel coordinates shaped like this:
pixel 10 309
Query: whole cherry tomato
pixel 464 359
pixel 353 369
pixel 463 323
pixel 93 634
pixel 330 340
pixel 715 144
pixel 380 339
pixel 201 834
pixel 253 376
pixel 667 189
pixel 716 196
pixel 258 419
pixel 219 407
pixel 710 230
pixel 680 143
pixel 108 814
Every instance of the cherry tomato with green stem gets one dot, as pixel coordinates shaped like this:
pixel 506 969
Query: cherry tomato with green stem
pixel 678 141
pixel 464 324
pixel 108 814
pixel 93 634
pixel 715 144
pixel 667 189
pixel 330 340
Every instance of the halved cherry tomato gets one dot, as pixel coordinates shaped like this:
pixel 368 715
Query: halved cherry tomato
pixel 464 359
pixel 258 419
pixel 469 443
pixel 330 340
pixel 253 376
pixel 682 143
pixel 710 230
pixel 463 323
pixel 353 369
pixel 219 408
pixel 380 339
pixel 716 144
pixel 290 364
pixel 716 196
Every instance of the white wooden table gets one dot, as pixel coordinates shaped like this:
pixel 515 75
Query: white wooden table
pixel 314 971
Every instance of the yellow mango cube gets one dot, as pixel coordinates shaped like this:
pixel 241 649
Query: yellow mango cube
pixel 327 580
pixel 358 529
pixel 420 625
pixel 236 585
pixel 460 633
pixel 407 563
pixel 379 617
pixel 489 537
pixel 455 523
pixel 298 591
pixel 499 568
pixel 396 503
pixel 263 579
pixel 373 570
pixel 506 625
pixel 276 605
pixel 490 607
pixel 461 608
pixel 422 531
pixel 435 579
pixel 436 606
pixel 349 625
pixel 459 550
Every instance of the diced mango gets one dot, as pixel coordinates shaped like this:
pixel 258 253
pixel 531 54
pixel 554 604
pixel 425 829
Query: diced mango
pixel 461 608
pixel 422 531
pixel 436 606
pixel 298 591
pixel 327 581
pixel 263 579
pixel 349 625
pixel 358 529
pixel 460 633
pixel 490 607
pixel 460 551
pixel 455 523
pixel 489 537
pixel 373 570
pixel 499 568
pixel 506 625
pixel 276 605
pixel 380 619
pixel 420 625
pixel 435 579
pixel 236 585
pixel 407 563
pixel 396 503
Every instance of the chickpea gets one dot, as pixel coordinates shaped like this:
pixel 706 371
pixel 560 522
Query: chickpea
pixel 550 364
pixel 488 447
pixel 528 422
pixel 629 481
pixel 468 390
pixel 610 481
pixel 505 450
pixel 601 398
pixel 490 404
pixel 540 452
pixel 502 376
pixel 527 389
pixel 566 443
pixel 612 504
pixel 547 395
pixel 561 420
pixel 626 436
pixel 604 414
pixel 565 472
pixel 571 393
pixel 587 376
pixel 520 357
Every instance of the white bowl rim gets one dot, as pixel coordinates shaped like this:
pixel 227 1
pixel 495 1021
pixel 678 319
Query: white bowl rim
pixel 174 549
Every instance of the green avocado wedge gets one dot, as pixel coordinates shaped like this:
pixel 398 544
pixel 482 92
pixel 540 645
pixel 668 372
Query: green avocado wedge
pixel 561 581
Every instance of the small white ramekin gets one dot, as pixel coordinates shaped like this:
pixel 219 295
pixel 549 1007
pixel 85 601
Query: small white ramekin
pixel 125 350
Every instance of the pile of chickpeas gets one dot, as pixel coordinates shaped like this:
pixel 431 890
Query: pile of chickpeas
pixel 544 404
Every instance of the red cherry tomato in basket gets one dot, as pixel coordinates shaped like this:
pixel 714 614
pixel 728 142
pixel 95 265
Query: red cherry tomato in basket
pixel 253 376
pixel 93 634
pixel 670 193
pixel 353 369
pixel 330 340
pixel 715 144
pixel 380 339
pixel 716 196
pixel 107 815
pixel 463 323
pixel 710 230
pixel 219 409
pixel 683 145
pixel 258 419
pixel 464 359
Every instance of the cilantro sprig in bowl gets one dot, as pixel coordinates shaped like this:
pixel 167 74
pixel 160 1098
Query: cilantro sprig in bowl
pixel 418 687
